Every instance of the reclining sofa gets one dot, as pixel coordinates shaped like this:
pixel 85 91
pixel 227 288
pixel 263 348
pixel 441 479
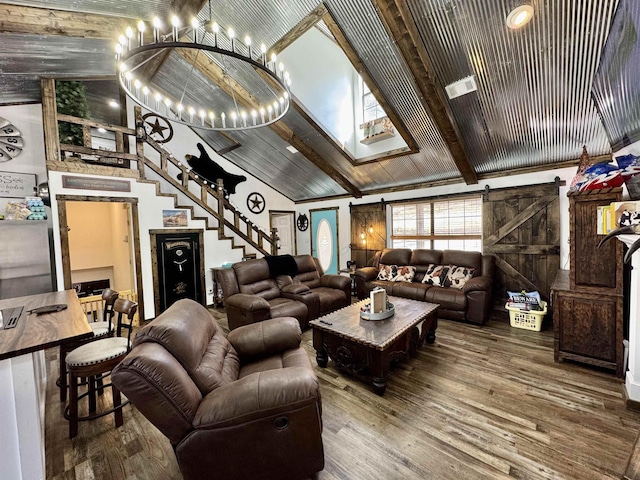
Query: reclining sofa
pixel 460 282
pixel 281 286
pixel 236 408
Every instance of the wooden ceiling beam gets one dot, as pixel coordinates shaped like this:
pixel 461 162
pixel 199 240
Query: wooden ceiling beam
pixel 244 98
pixel 300 29
pixel 46 21
pixel 402 29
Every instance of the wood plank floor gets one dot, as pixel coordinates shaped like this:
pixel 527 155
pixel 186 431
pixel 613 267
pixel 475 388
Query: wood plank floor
pixel 481 403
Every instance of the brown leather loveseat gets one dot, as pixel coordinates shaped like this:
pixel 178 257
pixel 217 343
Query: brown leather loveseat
pixel 254 290
pixel 245 407
pixel 466 296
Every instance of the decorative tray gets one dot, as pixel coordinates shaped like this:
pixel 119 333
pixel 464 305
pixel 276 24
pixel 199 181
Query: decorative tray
pixel 366 315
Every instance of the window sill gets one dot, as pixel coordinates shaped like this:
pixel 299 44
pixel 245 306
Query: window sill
pixel 377 137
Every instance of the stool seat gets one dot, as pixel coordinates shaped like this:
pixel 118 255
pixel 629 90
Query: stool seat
pixel 99 329
pixel 97 352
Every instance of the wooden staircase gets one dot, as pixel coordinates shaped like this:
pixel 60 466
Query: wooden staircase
pixel 226 219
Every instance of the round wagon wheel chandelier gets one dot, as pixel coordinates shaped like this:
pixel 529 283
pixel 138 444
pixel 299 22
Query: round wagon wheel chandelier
pixel 207 48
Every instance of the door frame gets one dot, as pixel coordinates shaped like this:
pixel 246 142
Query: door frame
pixel 337 229
pixel 273 213
pixel 135 230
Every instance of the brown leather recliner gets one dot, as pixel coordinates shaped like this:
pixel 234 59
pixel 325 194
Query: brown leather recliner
pixel 252 294
pixel 245 407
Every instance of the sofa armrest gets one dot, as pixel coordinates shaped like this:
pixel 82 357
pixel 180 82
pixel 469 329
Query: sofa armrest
pixel 295 288
pixel 266 338
pixel 259 395
pixel 244 309
pixel 478 283
pixel 247 302
pixel 339 282
pixel 366 273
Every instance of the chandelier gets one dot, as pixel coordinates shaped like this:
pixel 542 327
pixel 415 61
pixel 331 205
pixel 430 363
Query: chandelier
pixel 206 47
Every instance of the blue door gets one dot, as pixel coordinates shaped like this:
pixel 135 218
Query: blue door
pixel 324 238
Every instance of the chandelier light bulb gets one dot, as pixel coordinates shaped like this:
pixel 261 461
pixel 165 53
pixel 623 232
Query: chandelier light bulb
pixel 123 67
pixel 285 95
pixel 175 21
pixel 141 26
pixel 247 41
pixel 129 32
pixel 122 40
pixel 215 28
pixel 137 83
pixel 128 76
pixel 157 25
pixel 195 23
pixel 231 32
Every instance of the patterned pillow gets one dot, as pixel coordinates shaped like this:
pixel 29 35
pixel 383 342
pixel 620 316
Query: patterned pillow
pixel 405 274
pixel 435 274
pixel 387 272
pixel 458 276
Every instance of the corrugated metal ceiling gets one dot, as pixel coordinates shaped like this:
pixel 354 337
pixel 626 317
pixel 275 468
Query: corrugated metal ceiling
pixel 532 107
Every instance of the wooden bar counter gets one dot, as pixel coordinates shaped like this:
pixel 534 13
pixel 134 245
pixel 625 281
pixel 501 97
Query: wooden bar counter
pixel 23 377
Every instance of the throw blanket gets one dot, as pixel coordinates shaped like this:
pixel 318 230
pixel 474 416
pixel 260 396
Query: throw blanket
pixel 282 265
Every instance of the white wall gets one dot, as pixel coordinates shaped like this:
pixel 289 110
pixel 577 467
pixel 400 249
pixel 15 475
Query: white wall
pixel 344 218
pixel 27 119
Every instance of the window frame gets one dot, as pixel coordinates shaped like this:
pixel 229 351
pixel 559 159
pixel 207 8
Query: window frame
pixel 432 237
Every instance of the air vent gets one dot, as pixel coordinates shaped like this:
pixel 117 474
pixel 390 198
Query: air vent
pixel 461 87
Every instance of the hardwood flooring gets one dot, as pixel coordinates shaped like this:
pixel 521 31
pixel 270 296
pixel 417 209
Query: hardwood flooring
pixel 481 403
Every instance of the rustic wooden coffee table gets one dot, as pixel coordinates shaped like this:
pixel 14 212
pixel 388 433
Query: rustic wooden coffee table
pixel 366 348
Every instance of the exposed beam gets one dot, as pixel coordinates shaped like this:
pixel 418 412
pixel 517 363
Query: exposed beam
pixel 244 98
pixel 401 27
pixel 296 32
pixel 46 21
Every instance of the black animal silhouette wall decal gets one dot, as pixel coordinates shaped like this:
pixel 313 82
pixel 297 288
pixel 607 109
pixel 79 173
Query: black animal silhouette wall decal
pixel 210 171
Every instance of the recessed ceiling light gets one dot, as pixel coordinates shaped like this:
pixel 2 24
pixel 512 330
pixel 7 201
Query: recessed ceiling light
pixel 292 149
pixel 520 16
pixel 113 104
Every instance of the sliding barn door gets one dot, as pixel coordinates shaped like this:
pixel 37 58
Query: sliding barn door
pixel 368 231
pixel 521 226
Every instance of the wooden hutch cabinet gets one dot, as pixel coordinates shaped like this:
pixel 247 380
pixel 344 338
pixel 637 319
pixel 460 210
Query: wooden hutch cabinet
pixel 588 298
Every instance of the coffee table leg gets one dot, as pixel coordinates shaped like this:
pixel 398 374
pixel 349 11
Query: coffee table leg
pixel 322 358
pixel 379 385
pixel 431 335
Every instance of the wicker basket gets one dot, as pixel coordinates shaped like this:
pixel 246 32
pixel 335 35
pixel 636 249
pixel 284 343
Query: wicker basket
pixel 528 320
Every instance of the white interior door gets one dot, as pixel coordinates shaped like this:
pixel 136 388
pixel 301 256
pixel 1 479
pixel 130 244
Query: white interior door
pixel 284 224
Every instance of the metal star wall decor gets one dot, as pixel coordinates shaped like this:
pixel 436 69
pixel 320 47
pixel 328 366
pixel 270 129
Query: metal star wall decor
pixel 157 127
pixel 255 202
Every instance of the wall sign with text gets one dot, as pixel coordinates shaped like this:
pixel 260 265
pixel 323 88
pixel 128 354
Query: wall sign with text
pixel 17 185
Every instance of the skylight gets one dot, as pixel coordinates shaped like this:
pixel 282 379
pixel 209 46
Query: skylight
pixel 329 88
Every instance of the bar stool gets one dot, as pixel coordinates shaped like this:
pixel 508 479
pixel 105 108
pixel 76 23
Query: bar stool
pixel 95 360
pixel 100 329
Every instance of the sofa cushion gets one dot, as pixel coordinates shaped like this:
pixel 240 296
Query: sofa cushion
pixel 254 279
pixel 412 290
pixel 286 307
pixel 395 256
pixel 463 259
pixel 404 274
pixel 458 276
pixel 435 275
pixel 307 271
pixel 189 332
pixel 447 298
pixel 387 272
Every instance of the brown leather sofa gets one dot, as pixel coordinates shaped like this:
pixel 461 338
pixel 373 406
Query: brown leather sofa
pixel 245 407
pixel 252 293
pixel 471 303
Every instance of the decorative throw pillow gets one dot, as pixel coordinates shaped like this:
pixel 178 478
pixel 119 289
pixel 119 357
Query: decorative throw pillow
pixel 387 272
pixel 458 276
pixel 435 274
pixel 405 274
